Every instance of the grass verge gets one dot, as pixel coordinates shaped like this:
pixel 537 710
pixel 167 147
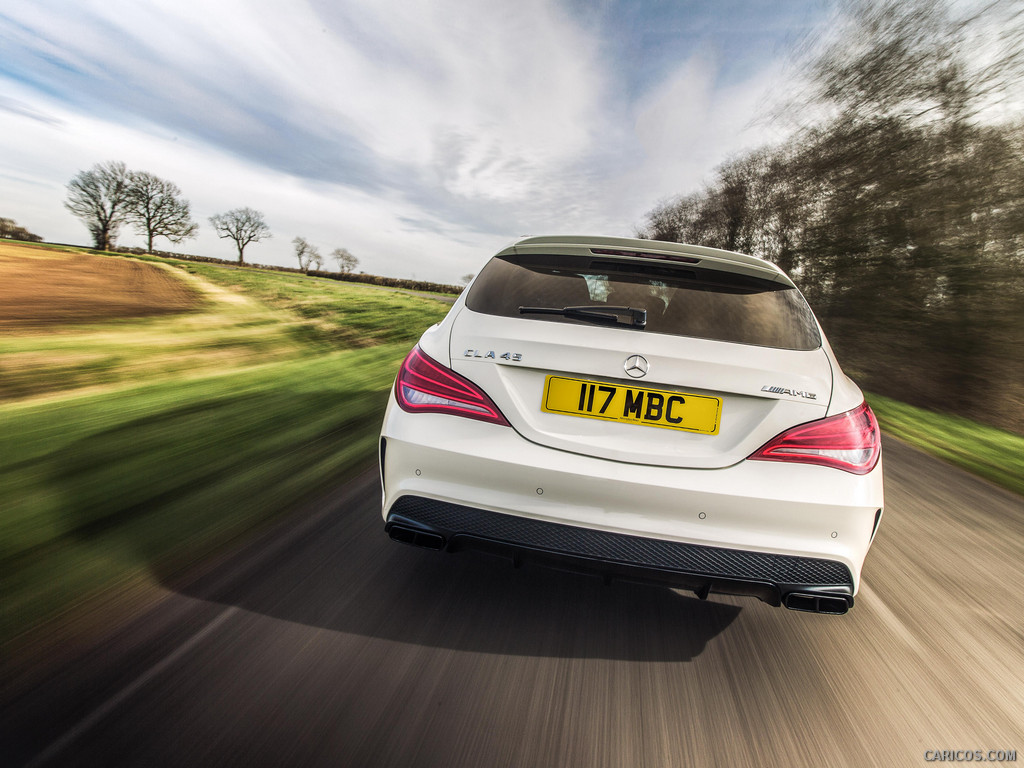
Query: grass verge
pixel 134 447
pixel 992 453
pixel 104 489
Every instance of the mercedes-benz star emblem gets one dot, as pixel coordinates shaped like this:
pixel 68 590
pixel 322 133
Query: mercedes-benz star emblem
pixel 636 366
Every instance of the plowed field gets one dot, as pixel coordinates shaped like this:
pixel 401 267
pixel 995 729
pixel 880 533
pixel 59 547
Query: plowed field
pixel 40 287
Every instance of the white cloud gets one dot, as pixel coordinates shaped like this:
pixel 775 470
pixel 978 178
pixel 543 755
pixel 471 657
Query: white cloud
pixel 516 92
pixel 684 127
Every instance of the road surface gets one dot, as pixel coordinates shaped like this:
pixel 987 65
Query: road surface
pixel 328 644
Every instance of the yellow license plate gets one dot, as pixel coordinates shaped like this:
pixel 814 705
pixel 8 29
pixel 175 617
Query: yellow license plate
pixel 634 405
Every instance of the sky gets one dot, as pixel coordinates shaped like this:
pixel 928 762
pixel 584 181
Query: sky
pixel 421 135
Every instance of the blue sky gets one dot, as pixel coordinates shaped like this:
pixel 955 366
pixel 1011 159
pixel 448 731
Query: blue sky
pixel 422 136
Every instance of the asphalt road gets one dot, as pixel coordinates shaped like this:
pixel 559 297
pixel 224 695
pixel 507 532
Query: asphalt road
pixel 327 644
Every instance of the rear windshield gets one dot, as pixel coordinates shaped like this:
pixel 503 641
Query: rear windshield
pixel 681 301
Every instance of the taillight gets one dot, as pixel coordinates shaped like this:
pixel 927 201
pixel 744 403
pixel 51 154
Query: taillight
pixel 849 441
pixel 426 386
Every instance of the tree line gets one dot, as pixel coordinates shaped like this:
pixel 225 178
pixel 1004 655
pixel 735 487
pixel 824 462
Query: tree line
pixel 109 195
pixel 10 230
pixel 901 212
pixel 310 259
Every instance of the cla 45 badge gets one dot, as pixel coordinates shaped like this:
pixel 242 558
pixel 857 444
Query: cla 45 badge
pixel 514 357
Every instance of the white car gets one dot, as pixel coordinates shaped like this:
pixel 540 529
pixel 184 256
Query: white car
pixel 638 409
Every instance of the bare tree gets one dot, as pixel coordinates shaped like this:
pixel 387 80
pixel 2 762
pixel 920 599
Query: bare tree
pixel 308 255
pixel 346 261
pixel 243 225
pixel 99 198
pixel 466 278
pixel 156 208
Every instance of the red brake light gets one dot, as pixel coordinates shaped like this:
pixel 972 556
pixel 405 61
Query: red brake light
pixel 425 386
pixel 644 255
pixel 850 441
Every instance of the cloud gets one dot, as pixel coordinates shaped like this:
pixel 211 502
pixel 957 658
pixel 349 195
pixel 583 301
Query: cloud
pixel 25 110
pixel 366 94
pixel 687 125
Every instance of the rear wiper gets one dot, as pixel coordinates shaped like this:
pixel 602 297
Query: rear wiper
pixel 599 313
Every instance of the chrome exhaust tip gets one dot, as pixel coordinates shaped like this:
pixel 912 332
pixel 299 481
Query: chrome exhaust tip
pixel 834 605
pixel 416 537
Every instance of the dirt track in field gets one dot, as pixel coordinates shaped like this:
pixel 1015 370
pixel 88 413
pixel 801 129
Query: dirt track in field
pixel 40 288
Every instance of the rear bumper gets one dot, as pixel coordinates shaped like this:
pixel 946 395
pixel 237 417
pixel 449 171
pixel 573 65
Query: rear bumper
pixel 803 583
pixel 783 533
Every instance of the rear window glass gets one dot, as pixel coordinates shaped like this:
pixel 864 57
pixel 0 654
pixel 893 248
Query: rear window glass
pixel 681 301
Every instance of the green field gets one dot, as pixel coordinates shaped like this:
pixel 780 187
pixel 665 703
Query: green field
pixel 133 447
pixel 994 454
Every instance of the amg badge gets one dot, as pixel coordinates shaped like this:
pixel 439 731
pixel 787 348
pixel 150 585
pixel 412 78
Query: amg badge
pixel 785 391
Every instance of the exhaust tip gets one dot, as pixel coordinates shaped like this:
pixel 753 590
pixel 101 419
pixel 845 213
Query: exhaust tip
pixel 416 537
pixel 833 605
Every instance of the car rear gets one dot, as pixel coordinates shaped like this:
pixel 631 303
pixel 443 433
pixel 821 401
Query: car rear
pixel 647 410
